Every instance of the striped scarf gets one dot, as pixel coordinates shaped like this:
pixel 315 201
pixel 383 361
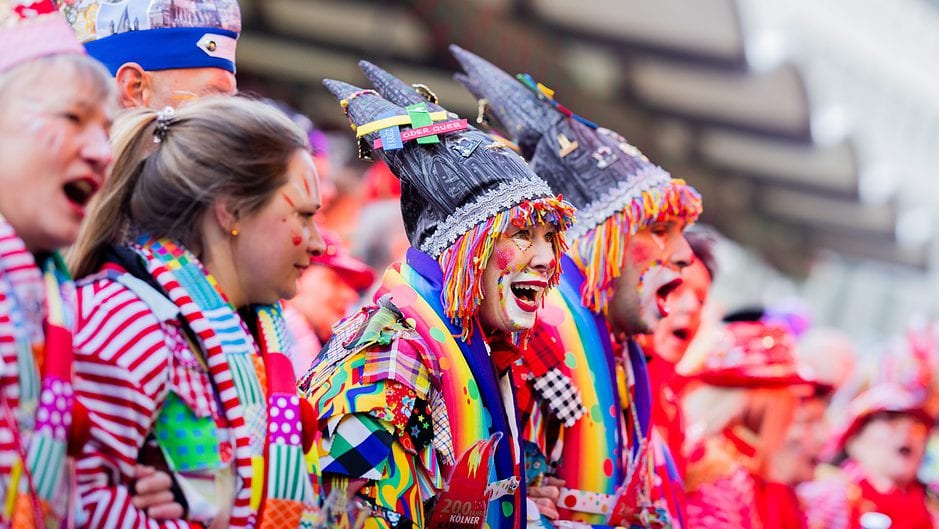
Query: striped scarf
pixel 256 387
pixel 36 318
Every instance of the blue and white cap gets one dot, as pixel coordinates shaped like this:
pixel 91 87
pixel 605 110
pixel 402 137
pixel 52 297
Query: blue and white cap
pixel 157 34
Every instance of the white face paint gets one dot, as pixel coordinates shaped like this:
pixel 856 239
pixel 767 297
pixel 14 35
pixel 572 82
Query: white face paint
pixel 655 283
pixel 520 296
pixel 516 277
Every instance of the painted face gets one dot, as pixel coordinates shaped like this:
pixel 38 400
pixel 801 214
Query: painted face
pixel 55 153
pixel 177 87
pixel 684 305
pixel 275 244
pixel 323 298
pixel 651 269
pixel 890 447
pixel 516 276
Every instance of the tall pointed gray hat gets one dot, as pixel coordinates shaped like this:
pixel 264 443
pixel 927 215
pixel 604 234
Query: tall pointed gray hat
pixel 615 188
pixel 450 186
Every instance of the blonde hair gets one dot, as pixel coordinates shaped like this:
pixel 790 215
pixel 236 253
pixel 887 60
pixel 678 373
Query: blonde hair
pixel 227 148
pixel 92 75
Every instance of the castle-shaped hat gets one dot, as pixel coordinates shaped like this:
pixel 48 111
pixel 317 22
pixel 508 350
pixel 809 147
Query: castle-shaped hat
pixel 157 34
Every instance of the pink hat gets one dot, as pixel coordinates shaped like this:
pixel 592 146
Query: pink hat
pixel 355 273
pixel 754 354
pixel 885 396
pixel 33 29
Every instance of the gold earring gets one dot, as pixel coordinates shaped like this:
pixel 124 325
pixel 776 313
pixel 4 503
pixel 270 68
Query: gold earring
pixel 234 232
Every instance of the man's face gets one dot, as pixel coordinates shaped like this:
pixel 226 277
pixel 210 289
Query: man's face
pixel 175 88
pixel 651 269
pixel 684 305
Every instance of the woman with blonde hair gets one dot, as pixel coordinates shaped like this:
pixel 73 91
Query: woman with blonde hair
pixel 737 417
pixel 54 120
pixel 181 349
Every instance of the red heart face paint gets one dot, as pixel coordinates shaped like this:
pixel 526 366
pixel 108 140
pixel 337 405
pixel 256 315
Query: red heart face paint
pixel 516 278
pixel 504 256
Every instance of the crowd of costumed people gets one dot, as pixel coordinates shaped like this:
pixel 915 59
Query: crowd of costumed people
pixel 208 322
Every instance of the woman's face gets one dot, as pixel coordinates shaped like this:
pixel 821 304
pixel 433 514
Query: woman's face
pixel 274 245
pixel 54 145
pixel 516 276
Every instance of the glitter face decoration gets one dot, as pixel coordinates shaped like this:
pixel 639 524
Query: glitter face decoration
pixel 515 280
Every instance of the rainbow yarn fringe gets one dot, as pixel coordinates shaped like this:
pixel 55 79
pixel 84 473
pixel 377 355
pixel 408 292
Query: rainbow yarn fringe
pixel 464 261
pixel 599 253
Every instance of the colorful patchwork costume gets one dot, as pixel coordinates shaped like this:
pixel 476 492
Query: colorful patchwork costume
pixel 408 385
pixel 174 377
pixel 37 314
pixel 601 448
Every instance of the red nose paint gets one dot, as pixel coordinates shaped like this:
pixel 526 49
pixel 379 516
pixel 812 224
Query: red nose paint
pixel 296 239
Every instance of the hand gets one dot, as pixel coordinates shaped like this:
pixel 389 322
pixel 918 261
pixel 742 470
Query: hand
pixel 546 496
pixel 152 494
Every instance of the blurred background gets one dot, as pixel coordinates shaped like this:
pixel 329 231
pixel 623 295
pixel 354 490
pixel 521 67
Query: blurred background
pixel 810 128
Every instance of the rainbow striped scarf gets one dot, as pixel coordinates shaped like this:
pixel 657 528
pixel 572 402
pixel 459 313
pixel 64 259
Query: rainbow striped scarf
pixel 37 399
pixel 278 490
pixel 470 386
pixel 592 454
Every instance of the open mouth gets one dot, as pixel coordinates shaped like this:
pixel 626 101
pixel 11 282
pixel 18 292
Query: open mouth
pixel 80 191
pixel 681 334
pixel 662 293
pixel 527 294
pixel 905 451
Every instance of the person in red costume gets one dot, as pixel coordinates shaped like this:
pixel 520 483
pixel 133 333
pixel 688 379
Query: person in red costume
pixel 737 419
pixel 882 444
pixel 672 337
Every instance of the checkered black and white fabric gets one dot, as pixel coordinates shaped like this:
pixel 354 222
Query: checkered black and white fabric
pixel 562 397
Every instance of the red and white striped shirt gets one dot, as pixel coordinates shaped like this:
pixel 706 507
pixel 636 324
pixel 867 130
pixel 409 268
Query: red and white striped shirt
pixel 127 360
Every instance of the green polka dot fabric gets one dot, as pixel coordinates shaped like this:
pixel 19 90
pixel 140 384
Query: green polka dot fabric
pixel 189 443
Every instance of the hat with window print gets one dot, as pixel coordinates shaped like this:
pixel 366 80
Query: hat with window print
pixel 157 34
